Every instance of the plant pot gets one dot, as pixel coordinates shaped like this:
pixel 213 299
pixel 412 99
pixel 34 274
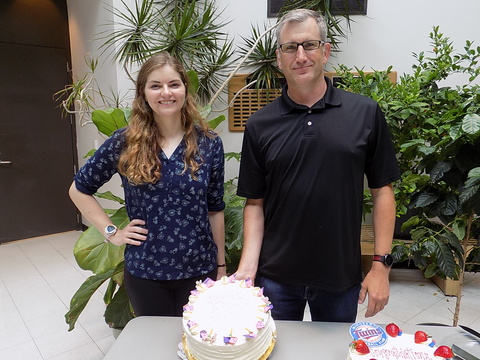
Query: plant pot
pixel 448 286
pixel 116 333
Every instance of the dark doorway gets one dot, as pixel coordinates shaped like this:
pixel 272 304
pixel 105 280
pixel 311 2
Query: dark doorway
pixel 36 143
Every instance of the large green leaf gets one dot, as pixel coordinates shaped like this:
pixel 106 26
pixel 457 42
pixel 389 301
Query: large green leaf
pixel 471 123
pixel 115 281
pixel 108 195
pixel 449 206
pixel 110 291
pixel 91 251
pixel 107 121
pixel 193 82
pixel 426 199
pixel 468 192
pixel 413 142
pixel 90 153
pixel 205 112
pixel 119 311
pixel 419 234
pixel 439 169
pixel 400 251
pixel 474 173
pixel 428 247
pixel 412 222
pixel 420 260
pixel 445 260
pixel 455 132
pixel 83 295
pixel 217 121
pixel 234 227
pixel 430 270
pixel 459 229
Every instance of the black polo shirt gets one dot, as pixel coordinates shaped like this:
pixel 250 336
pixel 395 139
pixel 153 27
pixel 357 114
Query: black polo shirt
pixel 308 164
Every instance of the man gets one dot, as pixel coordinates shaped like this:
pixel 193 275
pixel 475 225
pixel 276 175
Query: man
pixel 304 158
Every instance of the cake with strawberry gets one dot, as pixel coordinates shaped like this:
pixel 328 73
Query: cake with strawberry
pixel 372 342
pixel 228 319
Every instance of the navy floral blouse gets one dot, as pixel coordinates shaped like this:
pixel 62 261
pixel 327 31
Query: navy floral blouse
pixel 180 243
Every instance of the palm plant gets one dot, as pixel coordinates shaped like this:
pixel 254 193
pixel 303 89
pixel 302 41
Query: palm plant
pixel 262 60
pixel 189 30
pixel 133 42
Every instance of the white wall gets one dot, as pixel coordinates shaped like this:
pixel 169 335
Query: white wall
pixel 86 18
pixel 393 30
pixel 388 35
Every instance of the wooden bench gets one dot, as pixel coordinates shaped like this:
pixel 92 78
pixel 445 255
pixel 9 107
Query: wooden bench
pixel 366 240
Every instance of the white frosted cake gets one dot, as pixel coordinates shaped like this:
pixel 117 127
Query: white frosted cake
pixel 228 319
pixel 372 342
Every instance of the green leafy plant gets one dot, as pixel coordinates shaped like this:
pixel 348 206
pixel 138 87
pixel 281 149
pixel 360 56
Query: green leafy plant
pixel 189 30
pixel 234 205
pixel 104 260
pixel 265 72
pixel 436 132
pixel 83 96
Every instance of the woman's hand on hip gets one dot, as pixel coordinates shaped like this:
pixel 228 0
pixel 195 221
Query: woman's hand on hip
pixel 134 234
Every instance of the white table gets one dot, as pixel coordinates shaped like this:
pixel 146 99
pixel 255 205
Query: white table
pixel 151 338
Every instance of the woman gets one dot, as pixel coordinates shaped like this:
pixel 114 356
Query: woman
pixel 172 171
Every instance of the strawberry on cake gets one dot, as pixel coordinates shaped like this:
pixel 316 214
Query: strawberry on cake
pixel 372 342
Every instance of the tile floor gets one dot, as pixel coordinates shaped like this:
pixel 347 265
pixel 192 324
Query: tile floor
pixel 39 276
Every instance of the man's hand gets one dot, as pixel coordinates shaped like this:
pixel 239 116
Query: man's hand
pixel 243 275
pixel 377 287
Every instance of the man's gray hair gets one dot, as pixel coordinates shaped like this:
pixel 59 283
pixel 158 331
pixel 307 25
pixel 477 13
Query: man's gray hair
pixel 300 15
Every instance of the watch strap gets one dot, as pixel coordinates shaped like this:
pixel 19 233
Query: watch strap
pixel 386 259
pixel 378 258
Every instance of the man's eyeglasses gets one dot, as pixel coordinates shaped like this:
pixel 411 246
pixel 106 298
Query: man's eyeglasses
pixel 291 47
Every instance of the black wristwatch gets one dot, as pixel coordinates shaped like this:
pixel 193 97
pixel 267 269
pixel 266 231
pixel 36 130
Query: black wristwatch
pixel 386 259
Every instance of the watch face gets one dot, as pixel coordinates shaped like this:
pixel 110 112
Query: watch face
pixel 388 259
pixel 110 229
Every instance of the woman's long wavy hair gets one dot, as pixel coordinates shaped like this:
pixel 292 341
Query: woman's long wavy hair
pixel 139 161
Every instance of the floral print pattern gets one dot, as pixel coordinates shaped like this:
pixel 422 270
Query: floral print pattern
pixel 180 243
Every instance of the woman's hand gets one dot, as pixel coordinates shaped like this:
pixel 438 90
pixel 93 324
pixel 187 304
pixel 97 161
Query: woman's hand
pixel 133 234
pixel 221 272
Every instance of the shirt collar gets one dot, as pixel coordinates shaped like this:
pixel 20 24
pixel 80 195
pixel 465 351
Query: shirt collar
pixel 331 98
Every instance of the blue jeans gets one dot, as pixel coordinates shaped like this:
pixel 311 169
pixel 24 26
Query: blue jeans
pixel 289 301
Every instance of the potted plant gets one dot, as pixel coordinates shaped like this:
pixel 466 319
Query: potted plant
pixel 436 131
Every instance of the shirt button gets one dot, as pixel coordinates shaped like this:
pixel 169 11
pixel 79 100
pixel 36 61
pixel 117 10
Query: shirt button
pixel 309 123
pixel 309 111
